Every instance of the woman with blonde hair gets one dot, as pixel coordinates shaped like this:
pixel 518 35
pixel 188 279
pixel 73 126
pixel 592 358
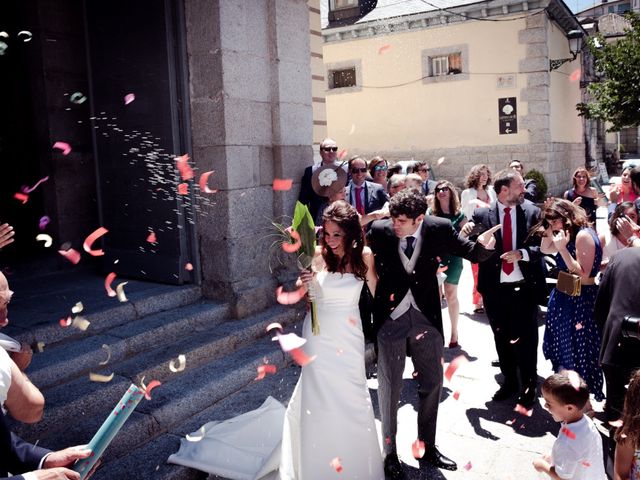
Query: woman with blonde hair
pixel 479 193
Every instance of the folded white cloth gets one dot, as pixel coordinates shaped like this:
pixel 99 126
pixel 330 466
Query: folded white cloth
pixel 9 344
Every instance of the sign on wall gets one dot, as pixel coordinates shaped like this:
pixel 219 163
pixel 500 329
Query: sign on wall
pixel 507 115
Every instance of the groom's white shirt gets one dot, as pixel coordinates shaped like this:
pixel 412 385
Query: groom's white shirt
pixel 408 264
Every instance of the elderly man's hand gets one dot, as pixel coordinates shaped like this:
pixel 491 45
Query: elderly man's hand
pixel 66 457
pixel 6 234
pixel 487 239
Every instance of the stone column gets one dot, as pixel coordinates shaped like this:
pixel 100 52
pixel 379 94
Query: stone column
pixel 251 121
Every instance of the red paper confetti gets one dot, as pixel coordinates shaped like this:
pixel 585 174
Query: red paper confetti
pixel 64 146
pixel 574 379
pixel 575 75
pixel 336 464
pixel 282 184
pixel 183 189
pixel 188 267
pixel 454 365
pixel 65 322
pixel 26 189
pixel 204 178
pixel 72 255
pixel 289 298
pixel 92 238
pixel 468 466
pixel 300 357
pixel 21 196
pixel 523 411
pixel 418 449
pixel 292 247
pixel 128 98
pixel 568 433
pixel 184 168
pixel 264 369
pixel 384 48
pixel 151 238
pixel 151 386
pixel 456 395
pixel 107 284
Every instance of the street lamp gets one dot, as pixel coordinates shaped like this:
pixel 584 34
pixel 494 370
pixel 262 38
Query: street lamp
pixel 575 44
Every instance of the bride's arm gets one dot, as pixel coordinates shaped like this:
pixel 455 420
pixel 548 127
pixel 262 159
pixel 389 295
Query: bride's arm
pixel 372 276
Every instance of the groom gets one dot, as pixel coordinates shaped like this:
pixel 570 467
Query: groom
pixel 407 248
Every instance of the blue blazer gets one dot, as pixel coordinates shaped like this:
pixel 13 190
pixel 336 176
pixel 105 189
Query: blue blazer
pixel 16 455
pixel 374 196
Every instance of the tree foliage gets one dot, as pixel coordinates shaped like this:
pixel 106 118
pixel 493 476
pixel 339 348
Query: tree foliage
pixel 616 97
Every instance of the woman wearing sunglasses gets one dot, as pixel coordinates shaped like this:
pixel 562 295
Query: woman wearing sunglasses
pixel 378 168
pixel 447 205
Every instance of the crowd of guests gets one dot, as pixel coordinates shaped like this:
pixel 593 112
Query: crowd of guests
pixel 585 310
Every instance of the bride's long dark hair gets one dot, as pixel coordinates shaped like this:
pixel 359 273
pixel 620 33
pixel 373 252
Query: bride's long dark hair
pixel 346 217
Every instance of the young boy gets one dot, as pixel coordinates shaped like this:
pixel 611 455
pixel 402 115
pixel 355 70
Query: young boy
pixel 577 452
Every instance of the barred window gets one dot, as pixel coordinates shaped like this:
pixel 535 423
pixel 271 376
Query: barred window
pixel 343 78
pixel 450 64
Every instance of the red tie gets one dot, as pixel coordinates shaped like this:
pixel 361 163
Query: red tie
pixel 506 240
pixel 359 205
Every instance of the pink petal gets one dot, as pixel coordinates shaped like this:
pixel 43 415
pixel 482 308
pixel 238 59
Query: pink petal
pixel 204 178
pixel 336 463
pixel 151 238
pixel 107 284
pixel 128 98
pixel 88 242
pixel 418 449
pixel 21 196
pixel 184 168
pixel 292 247
pixel 151 386
pixel 574 379
pixel 72 255
pixel 263 370
pixel 468 466
pixel 188 267
pixel 454 365
pixel 282 184
pixel 64 146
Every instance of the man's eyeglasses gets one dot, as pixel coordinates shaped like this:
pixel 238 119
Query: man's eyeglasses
pixel 423 170
pixel 442 189
pixel 359 170
pixel 380 168
pixel 329 149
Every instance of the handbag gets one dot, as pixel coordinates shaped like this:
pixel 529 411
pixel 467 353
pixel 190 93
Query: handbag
pixel 568 283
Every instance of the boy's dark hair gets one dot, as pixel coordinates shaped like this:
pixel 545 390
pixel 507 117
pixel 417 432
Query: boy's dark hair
pixel 503 179
pixel 409 202
pixel 634 174
pixel 559 385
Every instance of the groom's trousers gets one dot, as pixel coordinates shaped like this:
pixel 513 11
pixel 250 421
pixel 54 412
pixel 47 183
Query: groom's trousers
pixel 425 343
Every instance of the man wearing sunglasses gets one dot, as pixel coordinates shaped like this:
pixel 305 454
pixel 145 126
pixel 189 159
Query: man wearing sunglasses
pixel 308 197
pixel 365 196
pixel 422 169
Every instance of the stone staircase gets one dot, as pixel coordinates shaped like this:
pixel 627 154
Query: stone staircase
pixel 143 336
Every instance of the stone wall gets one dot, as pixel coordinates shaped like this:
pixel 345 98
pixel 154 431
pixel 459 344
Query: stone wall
pixel 252 121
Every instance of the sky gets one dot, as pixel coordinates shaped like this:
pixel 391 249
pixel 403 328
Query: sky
pixel 578 5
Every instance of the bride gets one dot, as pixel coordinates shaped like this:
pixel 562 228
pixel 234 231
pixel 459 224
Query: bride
pixel 329 423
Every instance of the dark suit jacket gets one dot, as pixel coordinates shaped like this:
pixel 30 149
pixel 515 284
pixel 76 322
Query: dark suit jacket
pixel 428 187
pixel 527 216
pixel 374 196
pixel 16 455
pixel 438 239
pixel 307 195
pixel 618 296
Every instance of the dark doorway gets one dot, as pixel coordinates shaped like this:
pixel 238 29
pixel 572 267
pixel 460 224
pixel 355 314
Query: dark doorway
pixel 138 99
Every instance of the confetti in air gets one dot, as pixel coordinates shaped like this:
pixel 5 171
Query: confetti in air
pixel 204 178
pixel 107 284
pixel 151 386
pixel 454 365
pixel 81 323
pixel 183 189
pixel 151 238
pixel 616 423
pixel 300 357
pixel 468 466
pixel 107 350
pixel 26 189
pixel 65 322
pixel 96 377
pixel 384 48
pixel 182 363
pixel 440 161
pixel 63 146
pixel 418 449
pixel 72 255
pixel 44 221
pixel 78 98
pixel 122 297
pixel 292 247
pixel 43 237
pixel 336 464
pixel 188 267
pixel 182 162
pixel 282 184
pixel 128 98
pixel 522 410
pixel 274 325
pixel 574 379
pixel 92 238
pixel 289 298
pixel 40 346
pixel 263 370
pixel 575 75
pixel 77 308
pixel 578 326
pixel 513 342
pixel 456 395
pixel 21 197
pixel 25 35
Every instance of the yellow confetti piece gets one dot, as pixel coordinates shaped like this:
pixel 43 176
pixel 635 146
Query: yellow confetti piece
pixel 182 363
pixel 195 436
pixel 107 349
pixel 120 292
pixel 96 377
pixel 40 346
pixel 43 237
pixel 81 323
pixel 77 308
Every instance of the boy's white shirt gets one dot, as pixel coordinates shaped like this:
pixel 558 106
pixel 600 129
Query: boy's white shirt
pixel 579 458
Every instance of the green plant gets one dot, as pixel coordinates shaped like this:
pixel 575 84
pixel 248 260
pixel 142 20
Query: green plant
pixel 534 174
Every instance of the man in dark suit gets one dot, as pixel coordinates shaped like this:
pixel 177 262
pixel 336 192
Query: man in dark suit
pixel 512 284
pixel 307 196
pixel 428 185
pixel 407 308
pixel 365 196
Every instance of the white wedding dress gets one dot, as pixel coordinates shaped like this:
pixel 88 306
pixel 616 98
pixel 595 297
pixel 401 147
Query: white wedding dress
pixel 329 426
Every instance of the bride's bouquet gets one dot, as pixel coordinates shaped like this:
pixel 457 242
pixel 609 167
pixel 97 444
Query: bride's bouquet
pixel 300 239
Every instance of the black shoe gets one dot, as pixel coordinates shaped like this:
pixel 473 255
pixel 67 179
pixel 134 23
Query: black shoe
pixel 527 397
pixel 393 468
pixel 505 392
pixel 433 456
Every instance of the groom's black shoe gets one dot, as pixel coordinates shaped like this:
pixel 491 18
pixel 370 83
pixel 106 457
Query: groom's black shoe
pixel 433 456
pixel 393 468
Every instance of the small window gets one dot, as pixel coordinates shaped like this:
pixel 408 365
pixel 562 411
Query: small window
pixel 341 4
pixel 450 64
pixel 344 78
pixel 624 7
pixel 611 9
